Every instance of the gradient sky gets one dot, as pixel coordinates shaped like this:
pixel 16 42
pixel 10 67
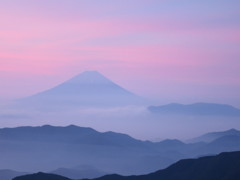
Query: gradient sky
pixel 175 51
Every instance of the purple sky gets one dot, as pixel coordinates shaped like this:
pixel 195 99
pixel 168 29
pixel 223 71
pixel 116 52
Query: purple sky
pixel 175 51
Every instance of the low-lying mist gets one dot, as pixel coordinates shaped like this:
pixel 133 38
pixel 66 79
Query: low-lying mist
pixel 136 121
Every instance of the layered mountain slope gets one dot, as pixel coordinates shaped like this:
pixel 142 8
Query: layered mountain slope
pixel 74 146
pixel 209 137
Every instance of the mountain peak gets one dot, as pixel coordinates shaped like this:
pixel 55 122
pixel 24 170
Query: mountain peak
pixel 88 89
pixel 89 77
pixel 91 73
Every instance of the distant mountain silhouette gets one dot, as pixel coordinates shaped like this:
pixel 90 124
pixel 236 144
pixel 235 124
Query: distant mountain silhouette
pixel 170 144
pixel 209 137
pixel 225 166
pixel 223 144
pixel 6 174
pixel 71 134
pixel 74 146
pixel 88 89
pixel 199 109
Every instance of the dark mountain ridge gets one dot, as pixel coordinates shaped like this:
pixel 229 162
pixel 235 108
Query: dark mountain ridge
pixel 225 166
pixel 41 176
pixel 78 173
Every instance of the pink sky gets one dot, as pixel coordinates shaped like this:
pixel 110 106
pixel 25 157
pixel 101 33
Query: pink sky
pixel 175 52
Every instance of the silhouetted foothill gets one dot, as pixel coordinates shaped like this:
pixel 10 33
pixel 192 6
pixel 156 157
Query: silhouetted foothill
pixel 225 166
pixel 41 176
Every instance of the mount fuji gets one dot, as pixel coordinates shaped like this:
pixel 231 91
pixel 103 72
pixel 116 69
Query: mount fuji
pixel 88 89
